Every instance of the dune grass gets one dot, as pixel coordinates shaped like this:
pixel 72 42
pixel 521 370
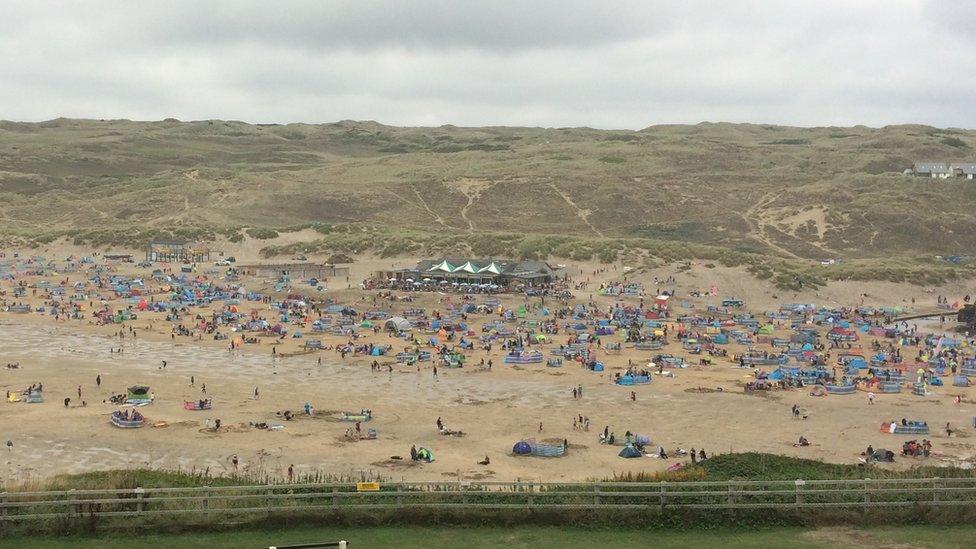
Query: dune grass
pixel 813 193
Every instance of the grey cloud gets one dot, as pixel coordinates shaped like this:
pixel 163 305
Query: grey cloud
pixel 628 64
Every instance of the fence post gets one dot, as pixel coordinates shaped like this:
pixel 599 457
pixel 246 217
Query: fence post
pixel 268 500
pixel 799 484
pixel 531 494
pixel 867 491
pixel 73 508
pixel 935 490
pixel 596 495
pixel 664 498
pixel 731 493
pixel 335 497
pixel 140 502
pixel 206 500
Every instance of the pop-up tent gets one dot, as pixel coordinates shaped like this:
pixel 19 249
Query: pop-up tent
pixel 397 323
pixel 630 451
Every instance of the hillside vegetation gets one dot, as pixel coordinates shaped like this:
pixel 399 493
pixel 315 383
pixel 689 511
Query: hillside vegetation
pixel 809 193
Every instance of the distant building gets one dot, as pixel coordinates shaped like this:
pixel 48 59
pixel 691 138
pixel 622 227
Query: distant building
pixel 177 250
pixel 935 170
pixel 293 270
pixel 502 272
pixel 961 169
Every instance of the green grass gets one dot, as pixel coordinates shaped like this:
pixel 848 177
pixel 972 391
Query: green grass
pixel 738 466
pixel 522 536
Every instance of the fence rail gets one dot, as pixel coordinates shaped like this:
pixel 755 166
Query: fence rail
pixel 219 501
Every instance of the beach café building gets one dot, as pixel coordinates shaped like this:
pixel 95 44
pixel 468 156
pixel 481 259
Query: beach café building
pixel 501 272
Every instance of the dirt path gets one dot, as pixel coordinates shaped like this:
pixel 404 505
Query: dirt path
pixel 423 203
pixel 583 214
pixel 420 203
pixel 757 227
pixel 471 189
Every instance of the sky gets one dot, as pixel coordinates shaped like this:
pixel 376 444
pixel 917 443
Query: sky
pixel 601 64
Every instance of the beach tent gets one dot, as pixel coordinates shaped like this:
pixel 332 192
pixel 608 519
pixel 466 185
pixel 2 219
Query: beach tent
pixel 630 451
pixel 522 448
pixel 397 323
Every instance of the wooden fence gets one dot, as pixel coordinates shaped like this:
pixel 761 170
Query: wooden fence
pixel 223 501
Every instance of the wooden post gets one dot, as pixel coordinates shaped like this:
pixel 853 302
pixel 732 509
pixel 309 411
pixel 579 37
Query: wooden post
pixel 867 491
pixel 268 500
pixel 73 508
pixel 596 495
pixel 335 496
pixel 664 498
pixel 799 484
pixel 531 493
pixel 731 493
pixel 206 500
pixel 140 501
pixel 935 490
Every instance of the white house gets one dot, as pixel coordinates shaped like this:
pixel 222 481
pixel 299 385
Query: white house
pixel 962 169
pixel 935 170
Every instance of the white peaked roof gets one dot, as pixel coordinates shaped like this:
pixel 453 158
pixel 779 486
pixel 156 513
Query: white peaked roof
pixel 491 268
pixel 442 266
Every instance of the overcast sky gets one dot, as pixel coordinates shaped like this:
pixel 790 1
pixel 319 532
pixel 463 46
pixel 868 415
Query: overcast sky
pixel 493 62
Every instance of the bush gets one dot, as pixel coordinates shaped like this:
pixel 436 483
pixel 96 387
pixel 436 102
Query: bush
pixel 260 233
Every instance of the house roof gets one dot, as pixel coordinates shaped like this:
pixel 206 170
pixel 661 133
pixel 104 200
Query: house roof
pixel 931 167
pixel 964 167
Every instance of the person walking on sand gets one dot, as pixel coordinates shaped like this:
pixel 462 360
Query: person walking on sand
pixel 291 473
pixel 203 388
pixel 98 380
pixel 256 394
pixel 870 397
pixel 79 392
pixel 192 380
pixel 233 461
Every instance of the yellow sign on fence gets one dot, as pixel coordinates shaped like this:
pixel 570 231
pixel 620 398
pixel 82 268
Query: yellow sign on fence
pixel 367 487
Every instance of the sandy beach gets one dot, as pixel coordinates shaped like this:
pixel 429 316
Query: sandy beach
pixel 700 407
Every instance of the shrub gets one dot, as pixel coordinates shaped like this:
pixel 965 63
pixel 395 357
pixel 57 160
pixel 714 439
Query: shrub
pixel 261 233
